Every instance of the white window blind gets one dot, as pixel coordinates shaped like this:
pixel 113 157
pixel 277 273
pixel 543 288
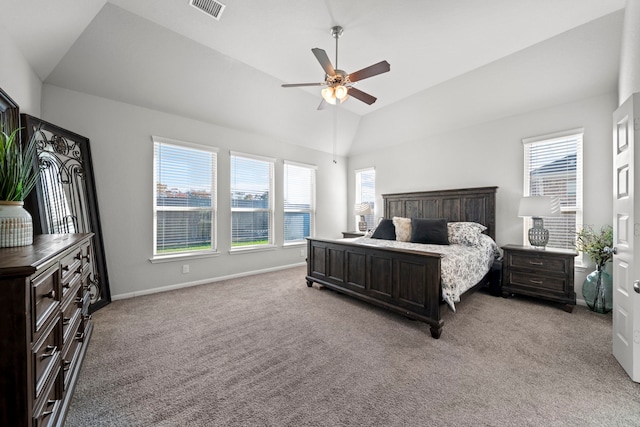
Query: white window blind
pixel 366 193
pixel 299 201
pixel 184 186
pixel 251 201
pixel 553 167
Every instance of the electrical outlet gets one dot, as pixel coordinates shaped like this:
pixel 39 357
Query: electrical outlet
pixel 185 268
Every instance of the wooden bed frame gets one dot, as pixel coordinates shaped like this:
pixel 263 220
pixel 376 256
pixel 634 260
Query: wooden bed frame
pixel 404 281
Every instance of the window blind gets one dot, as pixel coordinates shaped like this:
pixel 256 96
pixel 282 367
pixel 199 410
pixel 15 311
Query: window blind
pixel 251 201
pixel 366 193
pixel 553 167
pixel 299 201
pixel 184 197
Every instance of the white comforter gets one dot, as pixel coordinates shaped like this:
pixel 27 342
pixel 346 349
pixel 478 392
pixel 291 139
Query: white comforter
pixel 461 266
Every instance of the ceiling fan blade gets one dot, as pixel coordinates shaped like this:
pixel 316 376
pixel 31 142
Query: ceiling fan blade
pixel 324 61
pixel 323 104
pixel 370 71
pixel 362 96
pixel 303 84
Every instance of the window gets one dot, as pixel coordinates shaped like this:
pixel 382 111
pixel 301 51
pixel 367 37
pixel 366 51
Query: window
pixel 366 193
pixel 251 201
pixel 299 201
pixel 184 186
pixel 553 167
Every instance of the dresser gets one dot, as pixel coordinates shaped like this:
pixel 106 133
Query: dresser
pixel 45 326
pixel 542 273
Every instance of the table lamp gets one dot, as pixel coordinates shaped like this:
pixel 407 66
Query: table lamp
pixel 537 207
pixel 362 209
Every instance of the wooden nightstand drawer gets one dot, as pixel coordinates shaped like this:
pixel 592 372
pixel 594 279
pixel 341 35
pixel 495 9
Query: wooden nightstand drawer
pixel 550 265
pixel 535 282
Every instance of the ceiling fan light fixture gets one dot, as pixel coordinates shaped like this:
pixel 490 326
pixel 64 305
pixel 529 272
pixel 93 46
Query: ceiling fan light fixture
pixel 340 92
pixel 328 94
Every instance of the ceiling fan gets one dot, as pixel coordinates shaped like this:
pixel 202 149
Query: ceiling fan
pixel 338 83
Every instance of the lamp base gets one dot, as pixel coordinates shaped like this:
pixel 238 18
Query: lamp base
pixel 538 235
pixel 362 226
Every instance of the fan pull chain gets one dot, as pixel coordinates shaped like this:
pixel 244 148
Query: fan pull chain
pixel 335 133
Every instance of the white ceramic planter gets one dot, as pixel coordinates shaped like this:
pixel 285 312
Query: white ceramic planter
pixel 16 225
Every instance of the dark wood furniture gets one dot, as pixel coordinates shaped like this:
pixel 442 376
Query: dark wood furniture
pixel 403 281
pixel 349 234
pixel 542 273
pixel 44 327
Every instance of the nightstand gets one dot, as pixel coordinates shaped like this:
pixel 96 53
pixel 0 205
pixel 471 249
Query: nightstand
pixel 541 273
pixel 349 234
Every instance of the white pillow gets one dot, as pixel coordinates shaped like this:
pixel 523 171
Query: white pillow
pixel 465 233
pixel 403 228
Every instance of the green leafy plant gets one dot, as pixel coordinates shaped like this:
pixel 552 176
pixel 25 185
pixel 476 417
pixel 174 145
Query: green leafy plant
pixel 598 245
pixel 17 174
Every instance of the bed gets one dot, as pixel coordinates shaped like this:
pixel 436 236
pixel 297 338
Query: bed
pixel 401 278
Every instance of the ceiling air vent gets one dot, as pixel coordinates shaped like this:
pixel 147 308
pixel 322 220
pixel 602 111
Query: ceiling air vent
pixel 210 7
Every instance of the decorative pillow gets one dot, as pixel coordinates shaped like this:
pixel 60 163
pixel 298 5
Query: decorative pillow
pixel 465 233
pixel 385 230
pixel 429 230
pixel 403 228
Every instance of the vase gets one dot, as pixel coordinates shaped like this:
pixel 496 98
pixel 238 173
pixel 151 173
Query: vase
pixel 597 290
pixel 16 225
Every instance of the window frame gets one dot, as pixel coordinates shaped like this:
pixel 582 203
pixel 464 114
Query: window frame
pixel 269 209
pixel 312 207
pixel 213 151
pixel 578 208
pixel 370 219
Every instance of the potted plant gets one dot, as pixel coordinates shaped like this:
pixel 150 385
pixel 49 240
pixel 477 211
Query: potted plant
pixel 17 179
pixel 597 288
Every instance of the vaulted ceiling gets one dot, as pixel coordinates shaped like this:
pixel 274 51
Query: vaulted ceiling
pixel 453 63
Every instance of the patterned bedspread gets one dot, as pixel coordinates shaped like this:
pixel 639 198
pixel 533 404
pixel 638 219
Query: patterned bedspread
pixel 461 266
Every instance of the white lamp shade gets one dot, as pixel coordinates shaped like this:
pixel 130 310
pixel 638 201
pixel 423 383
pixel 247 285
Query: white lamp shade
pixel 362 209
pixel 539 206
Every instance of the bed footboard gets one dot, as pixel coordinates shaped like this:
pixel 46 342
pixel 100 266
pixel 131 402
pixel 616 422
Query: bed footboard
pixel 406 282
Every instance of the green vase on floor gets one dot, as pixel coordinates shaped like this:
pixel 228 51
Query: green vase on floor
pixel 597 290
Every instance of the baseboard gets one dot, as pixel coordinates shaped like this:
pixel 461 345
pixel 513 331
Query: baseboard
pixel 203 281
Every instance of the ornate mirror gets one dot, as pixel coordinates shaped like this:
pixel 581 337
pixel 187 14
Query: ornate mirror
pixel 64 200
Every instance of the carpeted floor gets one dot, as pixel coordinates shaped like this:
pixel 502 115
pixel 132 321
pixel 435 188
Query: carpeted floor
pixel 269 351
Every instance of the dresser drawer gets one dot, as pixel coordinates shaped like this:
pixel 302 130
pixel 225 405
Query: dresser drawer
pixel 70 313
pixel 46 298
pixel 70 355
pixel 46 355
pixel 536 282
pixel 552 265
pixel 46 407
pixel 71 266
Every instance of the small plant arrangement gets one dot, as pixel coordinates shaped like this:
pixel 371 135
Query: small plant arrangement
pixel 598 245
pixel 17 174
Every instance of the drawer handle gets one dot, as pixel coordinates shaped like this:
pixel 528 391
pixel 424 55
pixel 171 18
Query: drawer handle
pixel 80 336
pixel 66 285
pixel 536 263
pixel 65 268
pixel 78 300
pixel 52 349
pixel 51 294
pixel 46 414
pixel 67 364
pixel 537 282
pixel 87 317
pixel 86 257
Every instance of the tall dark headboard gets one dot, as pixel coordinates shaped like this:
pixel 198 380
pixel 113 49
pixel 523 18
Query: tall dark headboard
pixel 465 204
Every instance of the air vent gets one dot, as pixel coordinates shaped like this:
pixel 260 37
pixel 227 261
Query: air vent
pixel 210 7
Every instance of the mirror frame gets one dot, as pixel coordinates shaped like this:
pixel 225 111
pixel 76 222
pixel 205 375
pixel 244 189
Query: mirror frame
pixel 34 202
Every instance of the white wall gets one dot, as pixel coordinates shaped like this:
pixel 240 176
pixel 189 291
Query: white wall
pixel 122 152
pixel 491 154
pixel 17 78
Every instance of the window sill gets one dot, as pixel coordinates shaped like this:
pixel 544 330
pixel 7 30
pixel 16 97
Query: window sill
pixel 242 250
pixel 178 257
pixel 296 243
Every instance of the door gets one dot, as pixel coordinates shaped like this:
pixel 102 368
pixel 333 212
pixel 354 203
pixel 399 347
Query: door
pixel 626 233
